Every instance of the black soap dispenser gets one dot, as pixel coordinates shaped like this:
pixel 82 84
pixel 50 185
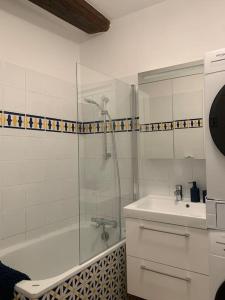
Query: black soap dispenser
pixel 195 193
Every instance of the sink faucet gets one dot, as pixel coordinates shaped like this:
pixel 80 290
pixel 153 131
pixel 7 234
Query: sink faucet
pixel 178 192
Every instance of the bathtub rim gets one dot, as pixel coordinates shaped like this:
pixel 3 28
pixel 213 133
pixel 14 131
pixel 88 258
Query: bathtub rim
pixel 34 289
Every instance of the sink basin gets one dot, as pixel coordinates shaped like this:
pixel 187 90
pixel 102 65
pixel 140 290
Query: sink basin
pixel 167 210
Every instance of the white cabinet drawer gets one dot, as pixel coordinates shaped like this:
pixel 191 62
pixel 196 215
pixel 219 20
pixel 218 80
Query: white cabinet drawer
pixel 173 245
pixel 153 281
pixel 217 242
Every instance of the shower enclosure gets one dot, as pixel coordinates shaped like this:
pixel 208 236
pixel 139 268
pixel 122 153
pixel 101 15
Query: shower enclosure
pixel 106 159
pixel 67 169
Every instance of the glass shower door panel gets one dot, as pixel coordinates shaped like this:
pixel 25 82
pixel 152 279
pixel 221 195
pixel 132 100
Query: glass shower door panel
pixel 102 161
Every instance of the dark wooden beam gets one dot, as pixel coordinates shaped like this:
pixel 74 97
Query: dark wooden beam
pixel 76 12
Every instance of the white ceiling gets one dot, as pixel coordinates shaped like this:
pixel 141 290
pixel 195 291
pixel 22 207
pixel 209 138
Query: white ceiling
pixel 114 9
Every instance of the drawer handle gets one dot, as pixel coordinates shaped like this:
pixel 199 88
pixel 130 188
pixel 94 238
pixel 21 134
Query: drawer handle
pixel 220 243
pixel 186 235
pixel 187 279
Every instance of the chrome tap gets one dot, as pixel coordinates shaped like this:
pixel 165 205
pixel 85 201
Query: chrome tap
pixel 178 192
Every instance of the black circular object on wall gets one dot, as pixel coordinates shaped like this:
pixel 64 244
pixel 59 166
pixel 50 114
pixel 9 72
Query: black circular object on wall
pixel 220 295
pixel 217 120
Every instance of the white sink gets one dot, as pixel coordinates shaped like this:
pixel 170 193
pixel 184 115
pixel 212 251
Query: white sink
pixel 167 210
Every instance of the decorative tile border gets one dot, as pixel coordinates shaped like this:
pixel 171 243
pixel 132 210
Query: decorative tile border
pixel 13 120
pixel 16 120
pixel 167 126
pixel 189 123
pixel 103 280
pixel 33 122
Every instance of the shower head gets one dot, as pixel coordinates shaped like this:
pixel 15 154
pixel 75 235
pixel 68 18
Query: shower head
pixel 90 101
pixel 105 99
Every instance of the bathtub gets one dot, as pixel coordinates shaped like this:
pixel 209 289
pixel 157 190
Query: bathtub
pixel 53 258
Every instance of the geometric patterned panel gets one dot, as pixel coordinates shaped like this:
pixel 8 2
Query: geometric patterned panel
pixel 103 280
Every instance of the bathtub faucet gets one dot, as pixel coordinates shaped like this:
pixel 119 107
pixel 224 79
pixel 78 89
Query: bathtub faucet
pixel 103 222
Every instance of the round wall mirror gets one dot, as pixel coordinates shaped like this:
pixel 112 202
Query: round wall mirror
pixel 217 120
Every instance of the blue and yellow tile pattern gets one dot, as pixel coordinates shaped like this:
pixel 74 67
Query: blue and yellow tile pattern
pixel 34 122
pixel 167 126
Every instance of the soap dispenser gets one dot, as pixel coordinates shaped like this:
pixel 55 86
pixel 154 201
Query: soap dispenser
pixel 195 193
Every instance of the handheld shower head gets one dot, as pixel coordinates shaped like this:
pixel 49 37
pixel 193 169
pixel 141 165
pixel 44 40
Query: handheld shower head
pixel 105 99
pixel 90 101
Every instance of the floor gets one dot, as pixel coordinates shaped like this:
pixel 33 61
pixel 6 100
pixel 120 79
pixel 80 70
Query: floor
pixel 130 297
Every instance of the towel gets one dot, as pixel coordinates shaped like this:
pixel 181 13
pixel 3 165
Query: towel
pixel 8 279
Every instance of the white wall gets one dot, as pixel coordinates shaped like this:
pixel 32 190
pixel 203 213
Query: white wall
pixel 170 33
pixel 28 40
pixel 173 32
pixel 38 173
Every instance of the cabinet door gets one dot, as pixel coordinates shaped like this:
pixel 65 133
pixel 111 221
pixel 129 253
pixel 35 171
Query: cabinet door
pixel 155 109
pixel 188 108
pixel 173 245
pixel 154 281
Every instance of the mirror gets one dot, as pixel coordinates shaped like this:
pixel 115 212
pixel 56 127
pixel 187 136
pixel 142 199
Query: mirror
pixel 171 112
pixel 217 120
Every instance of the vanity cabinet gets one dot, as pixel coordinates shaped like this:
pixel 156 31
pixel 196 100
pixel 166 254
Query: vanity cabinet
pixel 166 261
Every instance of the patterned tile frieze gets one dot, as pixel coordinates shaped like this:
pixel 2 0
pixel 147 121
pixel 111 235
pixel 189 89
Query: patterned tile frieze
pixel 167 126
pixel 103 280
pixel 33 122
pixel 190 123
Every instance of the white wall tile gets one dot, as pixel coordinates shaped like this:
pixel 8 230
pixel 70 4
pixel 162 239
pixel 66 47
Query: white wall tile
pixel 36 216
pixel 14 99
pixel 14 197
pixel 13 222
pixel 13 75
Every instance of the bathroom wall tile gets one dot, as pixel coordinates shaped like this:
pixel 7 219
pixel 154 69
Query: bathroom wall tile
pixel 70 209
pixel 13 222
pixel 124 144
pixel 12 147
pixel 122 99
pixel 144 188
pixel 182 173
pixel 21 172
pixel 36 104
pixel 159 188
pixel 14 99
pixel 60 169
pixel 69 109
pixel 36 217
pixel 94 145
pixel 199 173
pixel 40 192
pixel 125 167
pixel 35 82
pixel 13 75
pixel 14 197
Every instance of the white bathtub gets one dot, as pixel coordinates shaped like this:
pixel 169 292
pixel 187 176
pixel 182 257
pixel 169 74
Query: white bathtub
pixel 54 257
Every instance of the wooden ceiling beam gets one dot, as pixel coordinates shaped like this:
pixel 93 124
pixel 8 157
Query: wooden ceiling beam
pixel 79 13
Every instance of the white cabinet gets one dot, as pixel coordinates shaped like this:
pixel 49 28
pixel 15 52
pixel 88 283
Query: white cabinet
pixel 171 112
pixel 154 281
pixel 188 105
pixel 166 261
